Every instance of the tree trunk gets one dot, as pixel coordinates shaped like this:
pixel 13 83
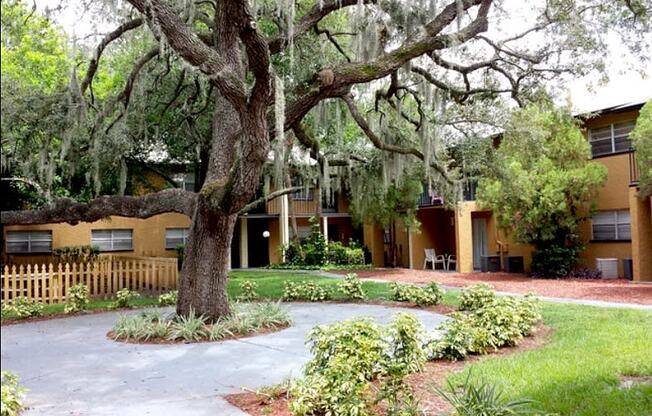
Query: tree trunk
pixel 202 290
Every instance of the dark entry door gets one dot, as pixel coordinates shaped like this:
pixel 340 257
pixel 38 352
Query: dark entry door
pixel 258 244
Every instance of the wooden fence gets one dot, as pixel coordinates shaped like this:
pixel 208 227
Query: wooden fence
pixel 50 283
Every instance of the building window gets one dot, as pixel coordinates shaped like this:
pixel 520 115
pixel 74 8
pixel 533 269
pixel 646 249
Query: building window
pixel 185 181
pixel 613 138
pixel 175 237
pixel 112 240
pixel 611 225
pixel 19 242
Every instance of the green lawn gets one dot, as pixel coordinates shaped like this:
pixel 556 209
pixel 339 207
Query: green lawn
pixel 576 373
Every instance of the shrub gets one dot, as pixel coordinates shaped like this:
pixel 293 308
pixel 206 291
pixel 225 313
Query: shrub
pixel 77 298
pixel 461 336
pixel 340 254
pixel 23 307
pixel 76 254
pixel 248 291
pixel 314 247
pixel 169 298
pixel 124 296
pixel 473 398
pixel 190 328
pixel 428 296
pixel 554 261
pixel 347 355
pixel 306 290
pixel 351 287
pixel 12 394
pixel 405 354
pixel 475 297
pixel 142 327
pixel 502 320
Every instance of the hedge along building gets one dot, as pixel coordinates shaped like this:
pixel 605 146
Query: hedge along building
pixel 620 228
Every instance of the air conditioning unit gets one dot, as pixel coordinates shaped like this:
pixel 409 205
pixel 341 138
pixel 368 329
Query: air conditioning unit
pixel 608 267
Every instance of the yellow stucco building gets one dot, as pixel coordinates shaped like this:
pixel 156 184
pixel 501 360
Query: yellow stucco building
pixel 621 227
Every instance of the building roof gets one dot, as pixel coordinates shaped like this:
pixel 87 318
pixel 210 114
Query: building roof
pixel 620 108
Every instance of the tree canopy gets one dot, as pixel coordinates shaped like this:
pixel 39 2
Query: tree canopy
pixel 642 141
pixel 343 91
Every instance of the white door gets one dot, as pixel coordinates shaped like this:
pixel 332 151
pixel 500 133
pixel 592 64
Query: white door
pixel 479 226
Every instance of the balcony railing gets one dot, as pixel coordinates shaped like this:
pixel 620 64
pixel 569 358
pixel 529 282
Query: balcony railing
pixel 633 169
pixel 431 199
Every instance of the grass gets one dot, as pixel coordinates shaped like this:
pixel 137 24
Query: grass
pixel 578 372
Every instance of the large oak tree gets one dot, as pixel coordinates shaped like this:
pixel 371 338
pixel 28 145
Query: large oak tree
pixel 258 68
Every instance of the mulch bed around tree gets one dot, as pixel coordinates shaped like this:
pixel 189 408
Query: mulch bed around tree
pixel 275 403
pixel 163 341
pixel 616 290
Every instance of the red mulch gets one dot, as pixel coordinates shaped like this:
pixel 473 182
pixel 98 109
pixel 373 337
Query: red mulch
pixel 617 290
pixel 435 373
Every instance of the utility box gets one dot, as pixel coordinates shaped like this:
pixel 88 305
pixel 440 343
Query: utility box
pixel 490 264
pixel 628 271
pixel 608 267
pixel 514 264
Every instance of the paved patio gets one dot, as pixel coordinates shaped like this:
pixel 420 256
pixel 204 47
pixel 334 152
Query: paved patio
pixel 71 368
pixel 617 290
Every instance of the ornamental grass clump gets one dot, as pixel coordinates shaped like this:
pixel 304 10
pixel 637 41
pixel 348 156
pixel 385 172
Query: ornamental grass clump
pixel 351 287
pixel 244 319
pixel 77 298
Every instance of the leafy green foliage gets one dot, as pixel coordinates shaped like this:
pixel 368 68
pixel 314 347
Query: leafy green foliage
pixel 124 297
pixel 339 254
pixel 480 398
pixel 189 328
pixel 422 296
pixel 474 297
pixel 348 355
pixel 306 290
pixel 554 261
pixel 169 298
pixel 142 327
pixel 12 395
pixel 248 291
pixel 543 184
pixel 490 323
pixel 351 287
pixel 642 140
pixel 77 298
pixel 22 307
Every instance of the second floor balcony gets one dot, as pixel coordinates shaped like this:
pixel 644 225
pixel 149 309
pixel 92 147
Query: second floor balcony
pixel 431 199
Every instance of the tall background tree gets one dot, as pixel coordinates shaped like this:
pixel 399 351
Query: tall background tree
pixel 543 185
pixel 642 142
pixel 224 84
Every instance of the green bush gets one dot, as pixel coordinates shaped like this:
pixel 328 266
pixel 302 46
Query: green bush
pixel 339 254
pixel 124 296
pixel 169 298
pixel 12 395
pixel 351 287
pixel 429 296
pixel 473 398
pixel 22 307
pixel 554 261
pixel 314 246
pixel 305 290
pixel 461 336
pixel 348 356
pixel 502 320
pixel 476 296
pixel 77 298
pixel 248 291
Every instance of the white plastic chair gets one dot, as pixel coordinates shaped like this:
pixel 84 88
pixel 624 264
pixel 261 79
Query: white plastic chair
pixel 432 257
pixel 451 259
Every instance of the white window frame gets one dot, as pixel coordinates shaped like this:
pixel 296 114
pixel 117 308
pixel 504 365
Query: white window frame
pixel 617 214
pixel 613 137
pixel 113 239
pixel 185 234
pixel 29 238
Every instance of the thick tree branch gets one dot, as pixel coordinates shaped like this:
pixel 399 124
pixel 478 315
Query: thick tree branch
pixel 39 189
pixel 66 210
pixel 94 63
pixel 269 197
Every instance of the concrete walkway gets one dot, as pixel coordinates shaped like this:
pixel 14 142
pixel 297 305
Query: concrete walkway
pixel 71 368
